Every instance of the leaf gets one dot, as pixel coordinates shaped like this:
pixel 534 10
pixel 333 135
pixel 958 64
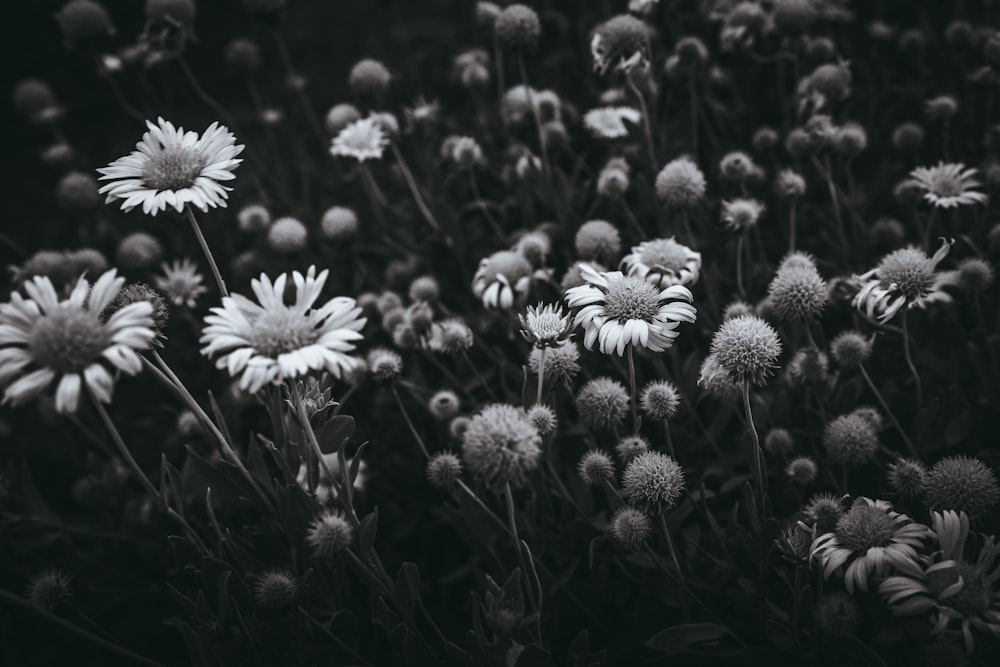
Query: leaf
pixel 334 434
pixel 681 638
pixel 366 534
pixel 407 587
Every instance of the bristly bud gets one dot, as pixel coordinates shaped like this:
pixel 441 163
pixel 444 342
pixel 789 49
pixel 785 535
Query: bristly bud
pixel 444 404
pixel 794 542
pixel 802 471
pixel 339 224
pixel 850 440
pixel 631 528
pixel 424 288
pixel 907 478
pixel 596 468
pixel 837 615
pixel 747 348
pixel 778 442
pixel 77 192
pixel 738 167
pixel 962 484
pixel 659 400
pixel 254 218
pixel 369 78
pixel 653 482
pixel 517 28
pixel 543 418
pixel 133 292
pixel 444 470
pixel 621 41
pixel 822 512
pixel 50 589
pixel 798 291
pixel 138 251
pixel 384 365
pixel 329 535
pixel 680 184
pixel 631 446
pixel 602 403
pixel 808 366
pixel 598 240
pixel 501 446
pixel 276 589
pixel 850 349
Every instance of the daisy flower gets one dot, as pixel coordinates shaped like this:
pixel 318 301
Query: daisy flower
pixel 500 277
pixel 904 278
pixel 663 262
pixel 617 310
pixel 362 140
pixel 955 591
pixel 546 326
pixel 181 283
pixel 948 185
pixel 269 342
pixel 44 339
pixel 870 536
pixel 608 122
pixel 171 167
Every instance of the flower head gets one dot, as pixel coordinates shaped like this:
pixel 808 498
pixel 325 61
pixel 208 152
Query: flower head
pixel 596 468
pixel 501 277
pixel 562 362
pixel 850 349
pixel 362 140
pixel 851 440
pixel 45 339
pixel 543 418
pixel 664 263
pixel 798 291
pixel 517 28
pixel 622 41
pixel 329 535
pixel 268 342
pixel 715 379
pixel 598 240
pixel 444 469
pixel 659 400
pixel 907 477
pixel 904 278
pixel 741 214
pixel 275 589
pixel 631 446
pixel 802 470
pixel 546 325
pixel 653 482
pixel 948 185
pixel 618 310
pixel 837 615
pixel 609 122
pixel 181 283
pixel 870 537
pixel 171 167
pixel 747 347
pixel 602 403
pixel 680 184
pixel 501 446
pixel 630 527
pixel 50 589
pixel 962 484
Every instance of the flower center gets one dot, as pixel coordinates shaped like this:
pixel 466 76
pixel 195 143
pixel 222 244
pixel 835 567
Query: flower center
pixel 632 299
pixel 546 325
pixel 68 340
pixel 910 271
pixel 664 253
pixel 172 168
pixel 971 599
pixel 864 528
pixel 947 187
pixel 281 330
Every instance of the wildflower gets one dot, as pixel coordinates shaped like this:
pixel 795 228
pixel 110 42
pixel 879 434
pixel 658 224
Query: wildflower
pixel 837 615
pixel 741 214
pixel 653 482
pixel 887 233
pixel 83 20
pixel 778 442
pixel 449 336
pixel 171 167
pixel 850 440
pixel 362 140
pixel 77 191
pixel 517 28
pixel 631 446
pixel 535 246
pixel 287 236
pixel 948 185
pixel 738 167
pixel 830 83
pixel 546 325
pixel 138 251
pixel 622 41
pixel 614 179
pixel 794 542
pixel 617 310
pixel 802 470
pixel 822 512
pixel 368 78
pixel 44 339
pixel 384 365
pixel 716 381
pixel 907 477
pixel 329 535
pixel 269 342
pixel 764 139
pixel 275 589
pixel 904 278
pixel 602 403
pixel 598 240
pixel 444 404
pixel 562 362
pixel 680 184
pixel 339 117
pixel 664 263
pixel 444 469
pixel 962 484
pixel 849 140
pixel 425 289
pixel 339 224
pixel 871 537
pixel 596 468
pixel 50 589
pixel 872 416
pixel 975 275
pixel 850 349
pixel 908 137
pixel 254 218
pixel 659 400
pixel 631 528
pixel 747 348
pixel 500 278
pixel 543 418
pixel 500 446
pixel 954 589
pixel 609 122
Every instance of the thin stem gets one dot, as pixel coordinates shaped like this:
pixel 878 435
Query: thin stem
pixel 758 471
pixel 290 73
pixel 479 375
pixel 497 229
pixel 692 89
pixel 207 251
pixel 632 391
pixel 332 637
pixel 125 453
pixel 739 266
pixel 509 498
pixel 791 227
pixel 541 373
pixel 414 190
pixel 888 412
pixel 909 361
pixel 670 441
pixel 646 126
pixel 677 563
pixel 300 409
pixel 543 147
pixel 205 97
pixel 119 96
pixel 409 424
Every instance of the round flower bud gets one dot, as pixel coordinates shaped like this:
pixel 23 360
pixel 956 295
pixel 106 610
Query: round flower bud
pixel 543 418
pixel 872 416
pixel 799 293
pixel 444 404
pixel 596 468
pixel 808 366
pixel 631 528
pixel 653 482
pixel 82 21
pixel 243 55
pixel 833 82
pixel 631 446
pixel 691 52
pixel 287 236
pixel 888 233
pixel 975 275
pixel 850 349
pixel 33 99
pixel 517 28
pixel 188 424
pixel 175 12
pixel 50 589
pixel 451 336
pixel 618 40
pixel 821 49
pixel 837 615
pixel 908 137
pixel 659 400
pixel 797 142
pixel 424 288
pixel 778 442
pixel 598 240
pixel 562 363
pixel 849 140
pixel 602 403
pixel 736 309
pixel 276 589
pixel 962 484
pixel 680 184
pixel 850 440
pixel 793 16
pixel 329 535
pixel 131 293
pixel 802 471
pixel 384 365
pixel 339 224
pixel 254 218
pixel 466 152
pixel 486 13
pixel 822 512
pixel 943 107
pixel 764 139
pixel 58 156
pixel 444 470
pixel 393 318
pixel 907 477
pixel 138 252
pixel 369 78
pixel 458 426
pixel 501 446
pixel 789 185
pixel 738 167
pixel 614 180
pixel 77 191
pixel 746 348
pixel 535 247
pixel 387 301
pixel 340 116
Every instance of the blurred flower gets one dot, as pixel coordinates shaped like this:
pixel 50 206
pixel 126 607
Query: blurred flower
pixel 947 185
pixel 181 283
pixel 962 484
pixel 500 278
pixel 870 536
pixel 269 342
pixel 631 527
pixel 850 440
pixel 680 184
pixel 50 589
pixel 617 310
pixel 546 325
pixel 663 263
pixel 904 278
pixel 501 446
pixel 449 336
pixel 275 589
pixel 44 339
pixel 596 468
pixel 837 615
pixel 622 41
pixel 741 214
pixel 609 122
pixel 171 167
pixel 517 28
pixel 362 140
pixel 850 349
pixel 562 362
pixel 802 470
pixel 602 403
pixel 716 381
pixel 598 240
pixel 329 535
pixel 287 236
pixel 369 78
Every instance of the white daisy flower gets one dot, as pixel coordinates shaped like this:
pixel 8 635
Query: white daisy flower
pixel 44 339
pixel 269 342
pixel 501 278
pixel 663 262
pixel 617 310
pixel 181 283
pixel 904 278
pixel 948 185
pixel 608 122
pixel 362 140
pixel 171 167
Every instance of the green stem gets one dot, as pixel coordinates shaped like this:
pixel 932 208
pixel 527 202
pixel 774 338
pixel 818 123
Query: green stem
pixel 207 251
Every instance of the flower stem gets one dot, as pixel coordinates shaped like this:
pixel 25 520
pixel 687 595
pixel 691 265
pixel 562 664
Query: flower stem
pixel 409 424
pixel 791 228
pixel 125 453
pixel 760 481
pixel 485 209
pixel 739 266
pixel 677 563
pixel 414 190
pixel 632 391
pixel 909 363
pixel 346 498
pixel 541 374
pixel 509 498
pixel 207 251
pixel 888 412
